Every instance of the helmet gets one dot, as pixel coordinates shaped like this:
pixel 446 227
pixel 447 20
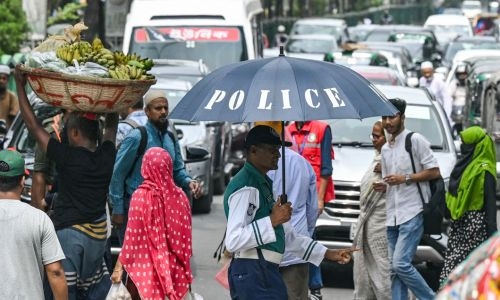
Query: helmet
pixel 281 28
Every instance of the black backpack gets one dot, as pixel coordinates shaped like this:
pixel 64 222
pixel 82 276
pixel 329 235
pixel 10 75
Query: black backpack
pixel 435 209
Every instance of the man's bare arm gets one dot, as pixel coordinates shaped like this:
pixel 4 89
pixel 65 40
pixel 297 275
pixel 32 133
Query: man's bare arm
pixel 57 280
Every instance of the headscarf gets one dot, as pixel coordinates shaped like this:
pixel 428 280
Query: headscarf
pixel 157 246
pixel 469 172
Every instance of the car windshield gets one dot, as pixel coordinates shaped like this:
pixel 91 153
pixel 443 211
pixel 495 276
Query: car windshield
pixel 419 118
pixel 216 46
pixel 454 47
pixel 317 29
pixel 26 142
pixel 310 45
pixel 377 36
pixel 415 48
pixel 471 5
pixel 451 29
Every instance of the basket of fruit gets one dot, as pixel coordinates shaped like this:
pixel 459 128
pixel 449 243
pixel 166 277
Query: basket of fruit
pixel 85 76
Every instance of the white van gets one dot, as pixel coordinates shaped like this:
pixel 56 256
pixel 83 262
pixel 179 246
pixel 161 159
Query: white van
pixel 218 32
pixel 448 27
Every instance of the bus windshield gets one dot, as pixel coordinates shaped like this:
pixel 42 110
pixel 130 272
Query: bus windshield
pixel 216 46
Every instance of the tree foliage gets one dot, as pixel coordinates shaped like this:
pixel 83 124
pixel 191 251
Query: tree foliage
pixel 13 27
pixel 70 13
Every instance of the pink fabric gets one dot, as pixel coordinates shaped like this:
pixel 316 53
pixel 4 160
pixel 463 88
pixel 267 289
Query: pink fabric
pixel 157 245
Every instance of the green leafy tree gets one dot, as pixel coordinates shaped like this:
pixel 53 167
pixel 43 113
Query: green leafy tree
pixel 13 27
pixel 70 13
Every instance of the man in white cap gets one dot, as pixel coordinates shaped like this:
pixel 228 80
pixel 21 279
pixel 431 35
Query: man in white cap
pixel 127 169
pixel 9 105
pixel 437 87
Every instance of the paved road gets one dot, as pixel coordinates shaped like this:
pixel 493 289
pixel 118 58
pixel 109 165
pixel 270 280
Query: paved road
pixel 207 233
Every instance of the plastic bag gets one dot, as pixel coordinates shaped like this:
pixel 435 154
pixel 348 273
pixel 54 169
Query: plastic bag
pixel 89 69
pixel 222 275
pixel 118 291
pixel 45 60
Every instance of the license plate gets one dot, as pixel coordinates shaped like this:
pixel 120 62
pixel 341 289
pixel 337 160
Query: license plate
pixel 352 231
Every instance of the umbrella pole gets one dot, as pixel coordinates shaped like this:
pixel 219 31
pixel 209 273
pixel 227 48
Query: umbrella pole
pixel 283 195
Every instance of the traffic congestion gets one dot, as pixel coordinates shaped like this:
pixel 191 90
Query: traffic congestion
pixel 336 155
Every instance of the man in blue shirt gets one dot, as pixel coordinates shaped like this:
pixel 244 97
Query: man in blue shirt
pixel 127 170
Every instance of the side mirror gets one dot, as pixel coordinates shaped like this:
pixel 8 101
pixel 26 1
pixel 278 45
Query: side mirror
pixel 179 133
pixel 195 152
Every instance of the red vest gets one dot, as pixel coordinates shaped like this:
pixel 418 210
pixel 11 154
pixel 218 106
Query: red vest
pixel 308 142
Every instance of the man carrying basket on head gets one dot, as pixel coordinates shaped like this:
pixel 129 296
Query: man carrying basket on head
pixel 84 170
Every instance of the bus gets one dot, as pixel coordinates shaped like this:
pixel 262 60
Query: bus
pixel 218 32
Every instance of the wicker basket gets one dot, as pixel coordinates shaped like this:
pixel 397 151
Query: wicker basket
pixel 82 93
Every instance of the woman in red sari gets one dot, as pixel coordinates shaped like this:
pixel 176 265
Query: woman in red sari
pixel 157 246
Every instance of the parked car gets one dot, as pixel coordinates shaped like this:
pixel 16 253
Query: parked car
pixel 192 71
pixel 214 135
pixel 364 57
pixel 471 8
pixel 399 57
pixel 421 42
pixel 467 43
pixel 379 75
pixel 358 32
pixel 310 46
pixel 353 154
pixel 237 155
pixel 447 27
pixel 452 11
pixel 329 26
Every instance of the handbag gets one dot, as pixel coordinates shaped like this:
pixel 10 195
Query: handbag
pixel 433 210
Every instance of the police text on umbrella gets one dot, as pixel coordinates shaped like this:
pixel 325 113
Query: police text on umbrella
pixel 310 95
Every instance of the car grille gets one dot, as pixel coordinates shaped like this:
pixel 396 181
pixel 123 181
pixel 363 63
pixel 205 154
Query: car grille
pixel 346 203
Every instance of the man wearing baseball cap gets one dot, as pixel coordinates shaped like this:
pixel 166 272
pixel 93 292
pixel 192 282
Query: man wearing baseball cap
pixel 9 105
pixel 30 245
pixel 257 224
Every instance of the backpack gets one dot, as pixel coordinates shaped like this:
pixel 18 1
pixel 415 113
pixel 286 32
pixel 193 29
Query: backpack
pixel 435 209
pixel 144 141
pixel 142 146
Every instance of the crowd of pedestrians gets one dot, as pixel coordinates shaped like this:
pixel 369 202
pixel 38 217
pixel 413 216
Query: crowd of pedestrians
pixel 270 231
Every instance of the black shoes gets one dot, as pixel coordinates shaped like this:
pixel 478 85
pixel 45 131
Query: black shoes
pixel 316 295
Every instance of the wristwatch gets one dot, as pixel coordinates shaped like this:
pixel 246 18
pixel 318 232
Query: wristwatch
pixel 407 179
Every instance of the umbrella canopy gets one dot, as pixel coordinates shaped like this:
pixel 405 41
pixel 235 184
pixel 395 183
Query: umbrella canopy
pixel 282 89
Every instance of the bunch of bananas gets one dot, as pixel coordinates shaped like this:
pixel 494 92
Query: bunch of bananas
pixel 133 60
pixel 104 57
pixel 119 65
pixel 70 52
pixel 129 72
